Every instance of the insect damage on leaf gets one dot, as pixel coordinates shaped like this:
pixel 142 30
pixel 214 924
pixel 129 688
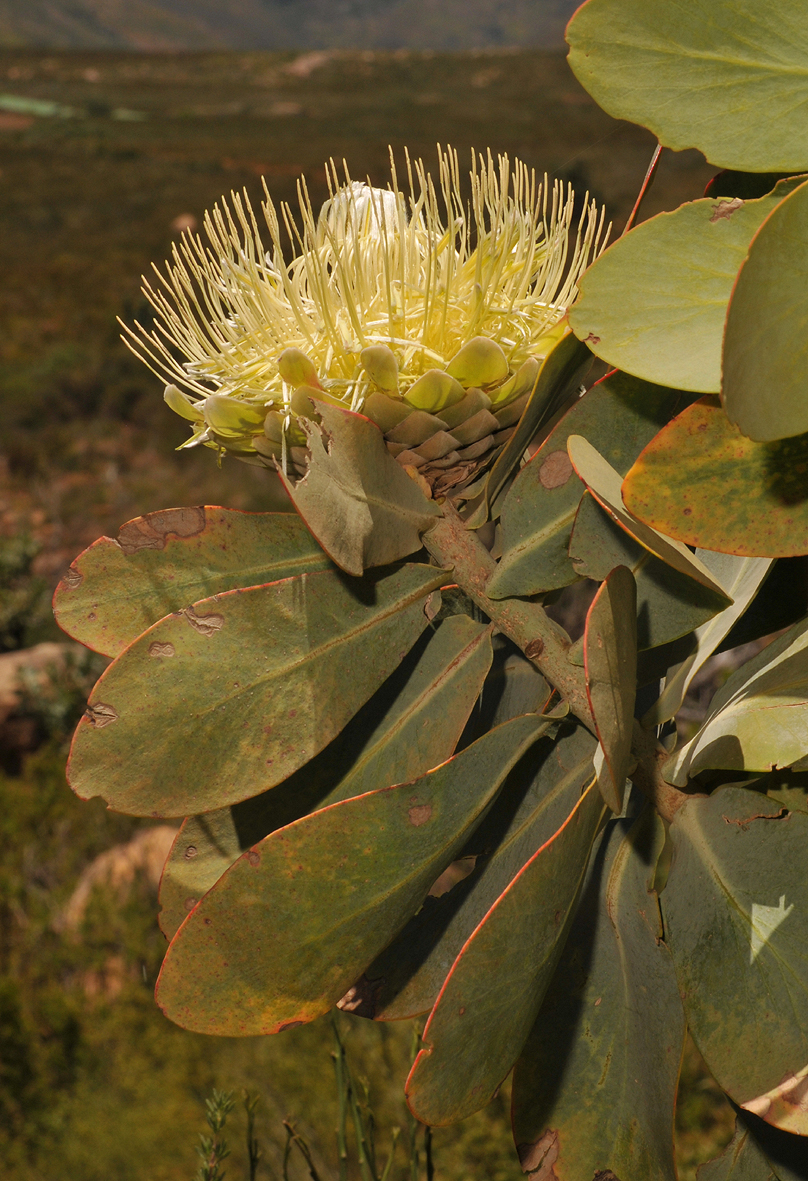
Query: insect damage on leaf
pixel 153 530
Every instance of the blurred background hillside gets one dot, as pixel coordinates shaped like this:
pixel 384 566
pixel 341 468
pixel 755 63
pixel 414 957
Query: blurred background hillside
pixel 284 24
pixel 106 154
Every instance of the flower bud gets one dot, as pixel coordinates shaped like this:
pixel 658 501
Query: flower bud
pixel 433 390
pixel 232 419
pixel 480 362
pixel 381 366
pixel 181 404
pixel 297 369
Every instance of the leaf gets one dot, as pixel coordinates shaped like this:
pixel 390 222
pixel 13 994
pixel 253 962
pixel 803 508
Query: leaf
pixel 225 699
pixel 655 301
pixel 741 1160
pixel 295 921
pixel 410 725
pixel 604 483
pixel 490 999
pixel 622 415
pixel 731 79
pixel 669 604
pixel 766 337
pixel 538 796
pixel 759 719
pixel 358 502
pixel 736 919
pixel 162 562
pixel 596 1080
pixel 742 579
pixel 610 663
pixel 702 482
pixel 561 374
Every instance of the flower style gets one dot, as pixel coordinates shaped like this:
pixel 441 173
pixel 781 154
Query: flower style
pixel 428 316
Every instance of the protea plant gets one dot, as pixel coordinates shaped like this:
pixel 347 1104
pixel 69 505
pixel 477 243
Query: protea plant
pixel 406 790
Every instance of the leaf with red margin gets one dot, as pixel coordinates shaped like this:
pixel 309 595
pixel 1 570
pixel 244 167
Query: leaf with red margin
pixel 166 560
pixel 219 702
pixel 296 920
pixel 410 725
pixel 493 993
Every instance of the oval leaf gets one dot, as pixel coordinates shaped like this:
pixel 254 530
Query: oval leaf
pixel 595 1085
pixel 167 560
pixel 654 303
pixel 359 503
pixel 293 923
pixel 610 663
pixel 411 724
pixel 219 702
pixel 731 79
pixel 702 482
pixel 620 414
pixel 736 919
pixel 491 997
pixel 766 338
pixel 534 803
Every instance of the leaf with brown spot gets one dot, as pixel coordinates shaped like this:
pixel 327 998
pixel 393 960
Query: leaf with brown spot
pixel 621 415
pixel 493 993
pixel 238 710
pixel 411 724
pixel 356 499
pixel 162 562
pixel 601 1064
pixel 704 483
pixel 348 876
pixel 736 920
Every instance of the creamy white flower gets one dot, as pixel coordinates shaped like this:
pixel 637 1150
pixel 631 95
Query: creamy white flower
pixel 418 271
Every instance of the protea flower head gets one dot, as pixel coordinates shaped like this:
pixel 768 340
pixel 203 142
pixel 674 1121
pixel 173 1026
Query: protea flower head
pixel 429 316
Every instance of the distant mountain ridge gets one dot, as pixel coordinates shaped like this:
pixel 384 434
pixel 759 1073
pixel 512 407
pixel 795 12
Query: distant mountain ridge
pixel 155 25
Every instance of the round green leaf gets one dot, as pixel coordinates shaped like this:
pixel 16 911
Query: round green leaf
pixel 295 921
pixel 729 78
pixel 704 483
pixel 162 562
pixel 595 1085
pixel 655 301
pixel 766 339
pixel 736 920
pixel 229 697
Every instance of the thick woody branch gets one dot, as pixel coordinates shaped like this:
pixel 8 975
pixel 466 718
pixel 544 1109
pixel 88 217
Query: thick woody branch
pixel 456 548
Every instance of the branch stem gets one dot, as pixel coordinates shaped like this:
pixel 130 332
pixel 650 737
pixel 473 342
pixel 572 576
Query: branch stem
pixel 456 548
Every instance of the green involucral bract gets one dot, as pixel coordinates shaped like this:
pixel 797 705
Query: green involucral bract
pixel 454 734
